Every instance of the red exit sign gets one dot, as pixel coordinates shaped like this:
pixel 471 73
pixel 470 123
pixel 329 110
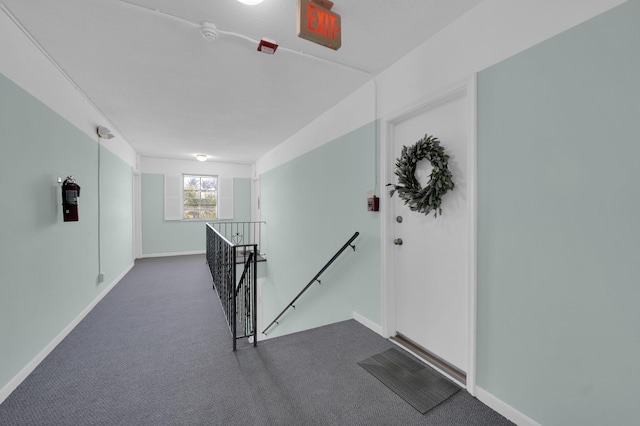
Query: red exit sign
pixel 318 24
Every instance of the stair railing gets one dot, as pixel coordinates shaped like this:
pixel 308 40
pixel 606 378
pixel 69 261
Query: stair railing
pixel 313 280
pixel 237 297
pixel 241 233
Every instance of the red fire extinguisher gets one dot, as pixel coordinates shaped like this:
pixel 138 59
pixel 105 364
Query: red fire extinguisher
pixel 70 194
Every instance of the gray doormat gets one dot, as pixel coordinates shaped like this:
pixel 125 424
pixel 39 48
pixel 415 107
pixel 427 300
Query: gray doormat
pixel 419 385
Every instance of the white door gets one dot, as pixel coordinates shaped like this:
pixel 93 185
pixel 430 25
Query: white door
pixel 430 270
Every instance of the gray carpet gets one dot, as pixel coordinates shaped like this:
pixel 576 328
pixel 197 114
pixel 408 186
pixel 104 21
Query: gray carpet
pixel 157 351
pixel 418 384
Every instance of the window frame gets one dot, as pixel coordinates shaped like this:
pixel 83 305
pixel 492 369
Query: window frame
pixel 200 209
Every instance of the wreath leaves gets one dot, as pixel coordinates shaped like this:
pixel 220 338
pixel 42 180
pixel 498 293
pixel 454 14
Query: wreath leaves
pixel 429 198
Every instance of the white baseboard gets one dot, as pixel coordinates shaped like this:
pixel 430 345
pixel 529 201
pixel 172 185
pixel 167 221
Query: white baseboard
pixel 22 375
pixel 505 409
pixel 367 323
pixel 177 253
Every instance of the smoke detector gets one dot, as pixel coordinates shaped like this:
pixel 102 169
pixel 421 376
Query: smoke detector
pixel 209 31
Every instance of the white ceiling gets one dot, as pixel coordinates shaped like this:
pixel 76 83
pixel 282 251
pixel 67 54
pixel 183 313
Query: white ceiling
pixel 171 93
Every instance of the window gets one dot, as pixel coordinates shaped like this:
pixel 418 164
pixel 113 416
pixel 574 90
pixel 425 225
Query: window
pixel 200 197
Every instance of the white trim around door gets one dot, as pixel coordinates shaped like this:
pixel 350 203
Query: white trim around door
pixel 467 88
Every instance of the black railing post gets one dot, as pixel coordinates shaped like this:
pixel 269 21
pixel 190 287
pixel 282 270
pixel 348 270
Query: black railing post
pixel 234 316
pixel 255 296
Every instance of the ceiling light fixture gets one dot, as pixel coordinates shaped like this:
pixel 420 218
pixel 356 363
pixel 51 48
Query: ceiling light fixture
pixel 201 157
pixel 250 2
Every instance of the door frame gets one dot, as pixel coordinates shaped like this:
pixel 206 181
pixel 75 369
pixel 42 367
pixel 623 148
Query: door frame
pixel 387 123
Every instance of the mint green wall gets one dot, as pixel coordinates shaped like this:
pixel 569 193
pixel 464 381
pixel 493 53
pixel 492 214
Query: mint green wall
pixel 48 268
pixel 160 236
pixel 242 200
pixel 558 227
pixel 116 207
pixel 312 205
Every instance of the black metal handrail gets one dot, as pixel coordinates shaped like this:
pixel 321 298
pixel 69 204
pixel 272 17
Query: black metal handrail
pixel 238 298
pixel 314 279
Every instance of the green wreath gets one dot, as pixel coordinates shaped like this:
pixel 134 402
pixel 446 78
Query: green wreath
pixel 429 198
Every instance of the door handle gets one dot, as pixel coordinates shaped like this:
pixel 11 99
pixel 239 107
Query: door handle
pixel 397 241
